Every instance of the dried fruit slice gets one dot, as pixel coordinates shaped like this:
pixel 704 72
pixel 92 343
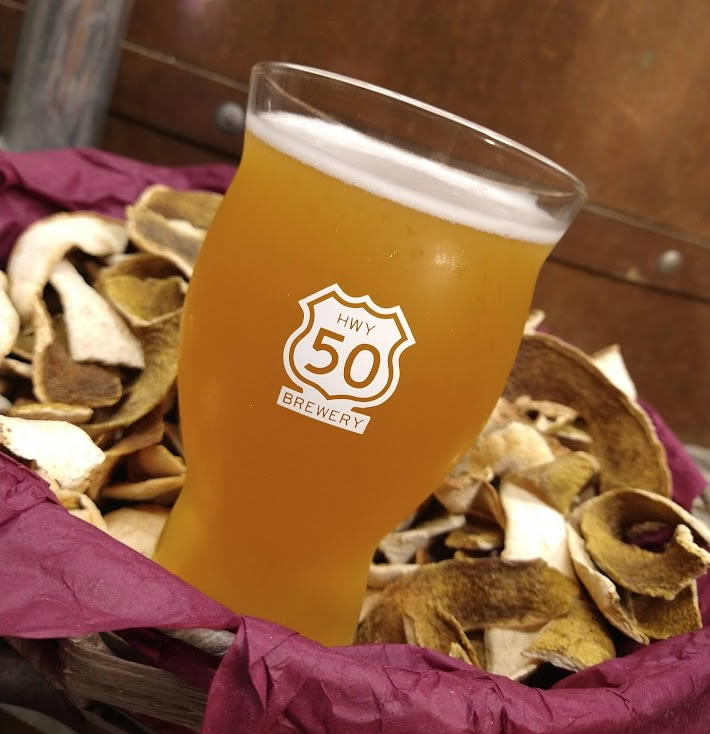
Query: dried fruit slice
pixel 57 378
pixel 95 332
pixel 172 224
pixel 138 527
pixel 603 522
pixel 61 451
pixel 45 242
pixel 625 442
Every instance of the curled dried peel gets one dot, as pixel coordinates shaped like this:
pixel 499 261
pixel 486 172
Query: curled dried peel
pixel 561 480
pixel 457 492
pixel 172 434
pixel 535 318
pixel 17 368
pixel 400 546
pixel 138 527
pixel 574 438
pixel 144 302
pixel 24 345
pixel 439 630
pixel 624 440
pixel 381 574
pixel 155 382
pixel 45 242
pixel 477 592
pixel 154 461
pixel 138 265
pixel 473 536
pixel 575 641
pixel 76 414
pixel 9 320
pixel 602 590
pixel 603 521
pixel 486 505
pixel 81 506
pixel 546 415
pixel 146 432
pixel 56 378
pixel 533 530
pixel 513 447
pixel 172 224
pixel 610 361
pixel 95 332
pixel 61 451
pixel 662 618
pixel 504 412
pixel 368 602
pixel 158 488
pixel 504 652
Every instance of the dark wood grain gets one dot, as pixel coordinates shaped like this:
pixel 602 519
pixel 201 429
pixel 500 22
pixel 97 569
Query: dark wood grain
pixel 131 139
pixel 158 93
pixel 10 22
pixel 664 338
pixel 617 92
pixel 631 252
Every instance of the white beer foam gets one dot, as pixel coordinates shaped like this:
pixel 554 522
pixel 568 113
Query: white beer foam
pixel 406 178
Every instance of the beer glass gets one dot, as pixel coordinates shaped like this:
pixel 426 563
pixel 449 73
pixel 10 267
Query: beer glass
pixel 353 316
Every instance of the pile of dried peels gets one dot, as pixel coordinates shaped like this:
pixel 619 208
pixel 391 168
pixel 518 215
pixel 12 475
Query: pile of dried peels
pixel 553 534
pixel 90 311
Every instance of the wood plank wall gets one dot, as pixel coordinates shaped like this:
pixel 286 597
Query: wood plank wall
pixel 618 92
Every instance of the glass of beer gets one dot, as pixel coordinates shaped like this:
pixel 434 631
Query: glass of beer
pixel 352 319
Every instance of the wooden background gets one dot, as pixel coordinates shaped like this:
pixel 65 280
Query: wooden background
pixel 616 91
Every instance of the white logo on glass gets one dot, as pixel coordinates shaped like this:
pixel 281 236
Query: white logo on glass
pixel 344 357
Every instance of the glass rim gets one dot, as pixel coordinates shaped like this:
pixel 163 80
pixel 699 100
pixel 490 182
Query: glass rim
pixel 483 132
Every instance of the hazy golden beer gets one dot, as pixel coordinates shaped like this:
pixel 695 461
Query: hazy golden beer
pixel 283 507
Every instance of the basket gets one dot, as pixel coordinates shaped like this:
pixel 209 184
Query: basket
pixel 107 689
